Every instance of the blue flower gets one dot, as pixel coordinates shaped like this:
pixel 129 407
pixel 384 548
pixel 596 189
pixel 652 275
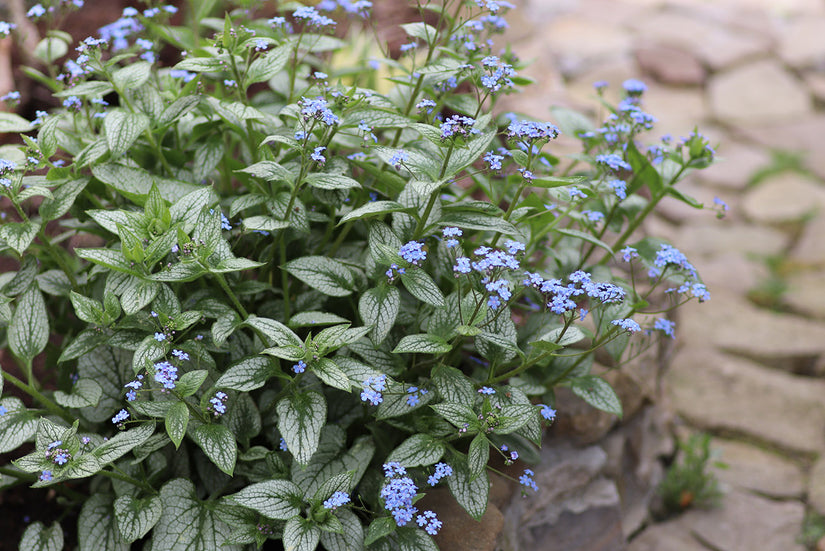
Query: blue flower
pixel 318 109
pixel 574 192
pixel 398 494
pixel 634 87
pixel 160 337
pixel 180 73
pixel 317 155
pixel 458 125
pixel 629 253
pixel 336 500
pixel 312 17
pixel 527 480
pixel 408 47
pixel 486 390
pixel 46 476
pixel 3 410
pixel 441 470
pixel 300 367
pixel 6 28
pixel 166 374
pixel 413 252
pixel 665 326
pixel 414 395
pixel 462 265
pixel 218 403
pixel 532 130
pixel 547 412
pixel 429 522
pixel 627 324
pixel 619 187
pixel 121 416
pixel 282 445
pixel 612 160
pixel 493 160
pixel 36 11
pixel 372 388
pixel 513 247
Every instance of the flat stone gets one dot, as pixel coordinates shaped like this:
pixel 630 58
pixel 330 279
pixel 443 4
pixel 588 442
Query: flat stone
pixel 800 42
pixel 816 486
pixel 725 393
pixel 816 84
pixel 804 136
pixel 614 72
pixel 784 197
pixel 667 536
pixel 745 522
pixel 736 163
pixel 716 237
pixel 757 93
pixel 716 45
pixel 731 272
pixel 806 294
pixel 677 110
pixel 577 41
pixel 460 531
pixel 751 468
pixel 577 508
pixel 670 65
pixel 735 325
pixel 809 251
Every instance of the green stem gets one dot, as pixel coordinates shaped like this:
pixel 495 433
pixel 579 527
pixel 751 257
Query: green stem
pixel 37 395
pixel 226 289
pixel 422 222
pixel 126 478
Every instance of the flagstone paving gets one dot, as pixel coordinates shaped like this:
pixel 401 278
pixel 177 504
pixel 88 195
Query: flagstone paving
pixel 751 75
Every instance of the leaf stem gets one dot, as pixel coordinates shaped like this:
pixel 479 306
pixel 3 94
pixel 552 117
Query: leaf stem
pixel 37 395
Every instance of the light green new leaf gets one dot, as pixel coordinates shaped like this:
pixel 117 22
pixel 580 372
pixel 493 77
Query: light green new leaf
pixel 122 129
pixel 423 343
pixel 300 419
pixel 327 275
pixel 219 445
pixel 85 393
pixel 187 523
pixel 39 538
pixel 267 66
pixel 63 198
pixel 132 76
pixel 598 393
pixel 276 499
pixel 329 372
pixel 418 450
pixel 28 332
pixel 135 517
pixel 177 419
pixel 96 526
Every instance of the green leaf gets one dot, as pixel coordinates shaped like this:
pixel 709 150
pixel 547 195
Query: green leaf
pixel 137 294
pixel 300 419
pixel 350 539
pixel 478 455
pixel 322 180
pixel 87 309
pixel 413 539
pixel 123 442
pixel 148 351
pixel 187 523
pixel 373 208
pixel 134 183
pixel 327 275
pixel 289 352
pixel 264 223
pixel 267 66
pixel 111 368
pixel 96 525
pixel 330 373
pixel 131 77
pixel 234 265
pixel 190 382
pixel 92 88
pixel 9 122
pixel 186 210
pixel 379 307
pixel 598 393
pixel 421 286
pixel 453 385
pixel 269 171
pixel 422 343
pixel 377 118
pixel 177 109
pixel 17 425
pixel 418 450
pixel 421 30
pixel 512 417
pixel 378 528
pixel 314 319
pixel 457 414
pixel 553 340
pixel 85 393
pixel 50 49
pixel 19 235
pixel 301 535
pixel 246 374
pixel 122 129
pixel 470 492
pixel 39 538
pixel 278 333
pixel 478 221
pixel 276 499
pixel 586 237
pixel 135 517
pixel 331 458
pixel 177 419
pixel 218 444
pixel 571 122
pixel 28 332
pixel 202 64
pixel 645 174
pixel 341 482
pixel 62 199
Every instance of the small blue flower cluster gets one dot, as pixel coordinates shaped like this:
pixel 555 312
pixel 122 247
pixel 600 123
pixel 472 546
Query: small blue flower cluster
pixel 547 412
pixel 665 326
pixel 413 252
pixel 338 499
pixel 525 130
pixel 414 395
pixel 393 271
pixel 426 105
pixel 57 454
pixel 398 158
pixel 493 160
pixel 372 389
pixel 398 495
pixel 559 297
pixel 217 403
pixel 318 109
pixel 499 74
pixel 311 16
pixel 450 234
pixel 627 324
pixel 6 28
pixel 442 470
pixel 120 417
pixel 486 390
pixel 300 367
pixel 613 161
pixel 134 387
pixel 166 374
pixel 351 7
pixel 458 125
pixel 527 480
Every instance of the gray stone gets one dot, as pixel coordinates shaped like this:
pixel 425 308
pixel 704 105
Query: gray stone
pixel 809 251
pixel 677 110
pixel 804 136
pixel 719 392
pixel 717 237
pixel 757 93
pixel 736 163
pixel 576 508
pixel 459 530
pixel 670 65
pixel 578 421
pixel 751 468
pixel 816 486
pixel 577 42
pixel 732 272
pixel 746 522
pixel 806 293
pixel 816 83
pixel 784 197
pixel 716 45
pixel 801 44
pixel 731 324
pixel 667 536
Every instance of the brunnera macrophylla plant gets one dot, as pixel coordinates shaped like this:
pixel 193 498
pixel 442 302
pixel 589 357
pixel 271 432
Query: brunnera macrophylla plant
pixel 317 279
